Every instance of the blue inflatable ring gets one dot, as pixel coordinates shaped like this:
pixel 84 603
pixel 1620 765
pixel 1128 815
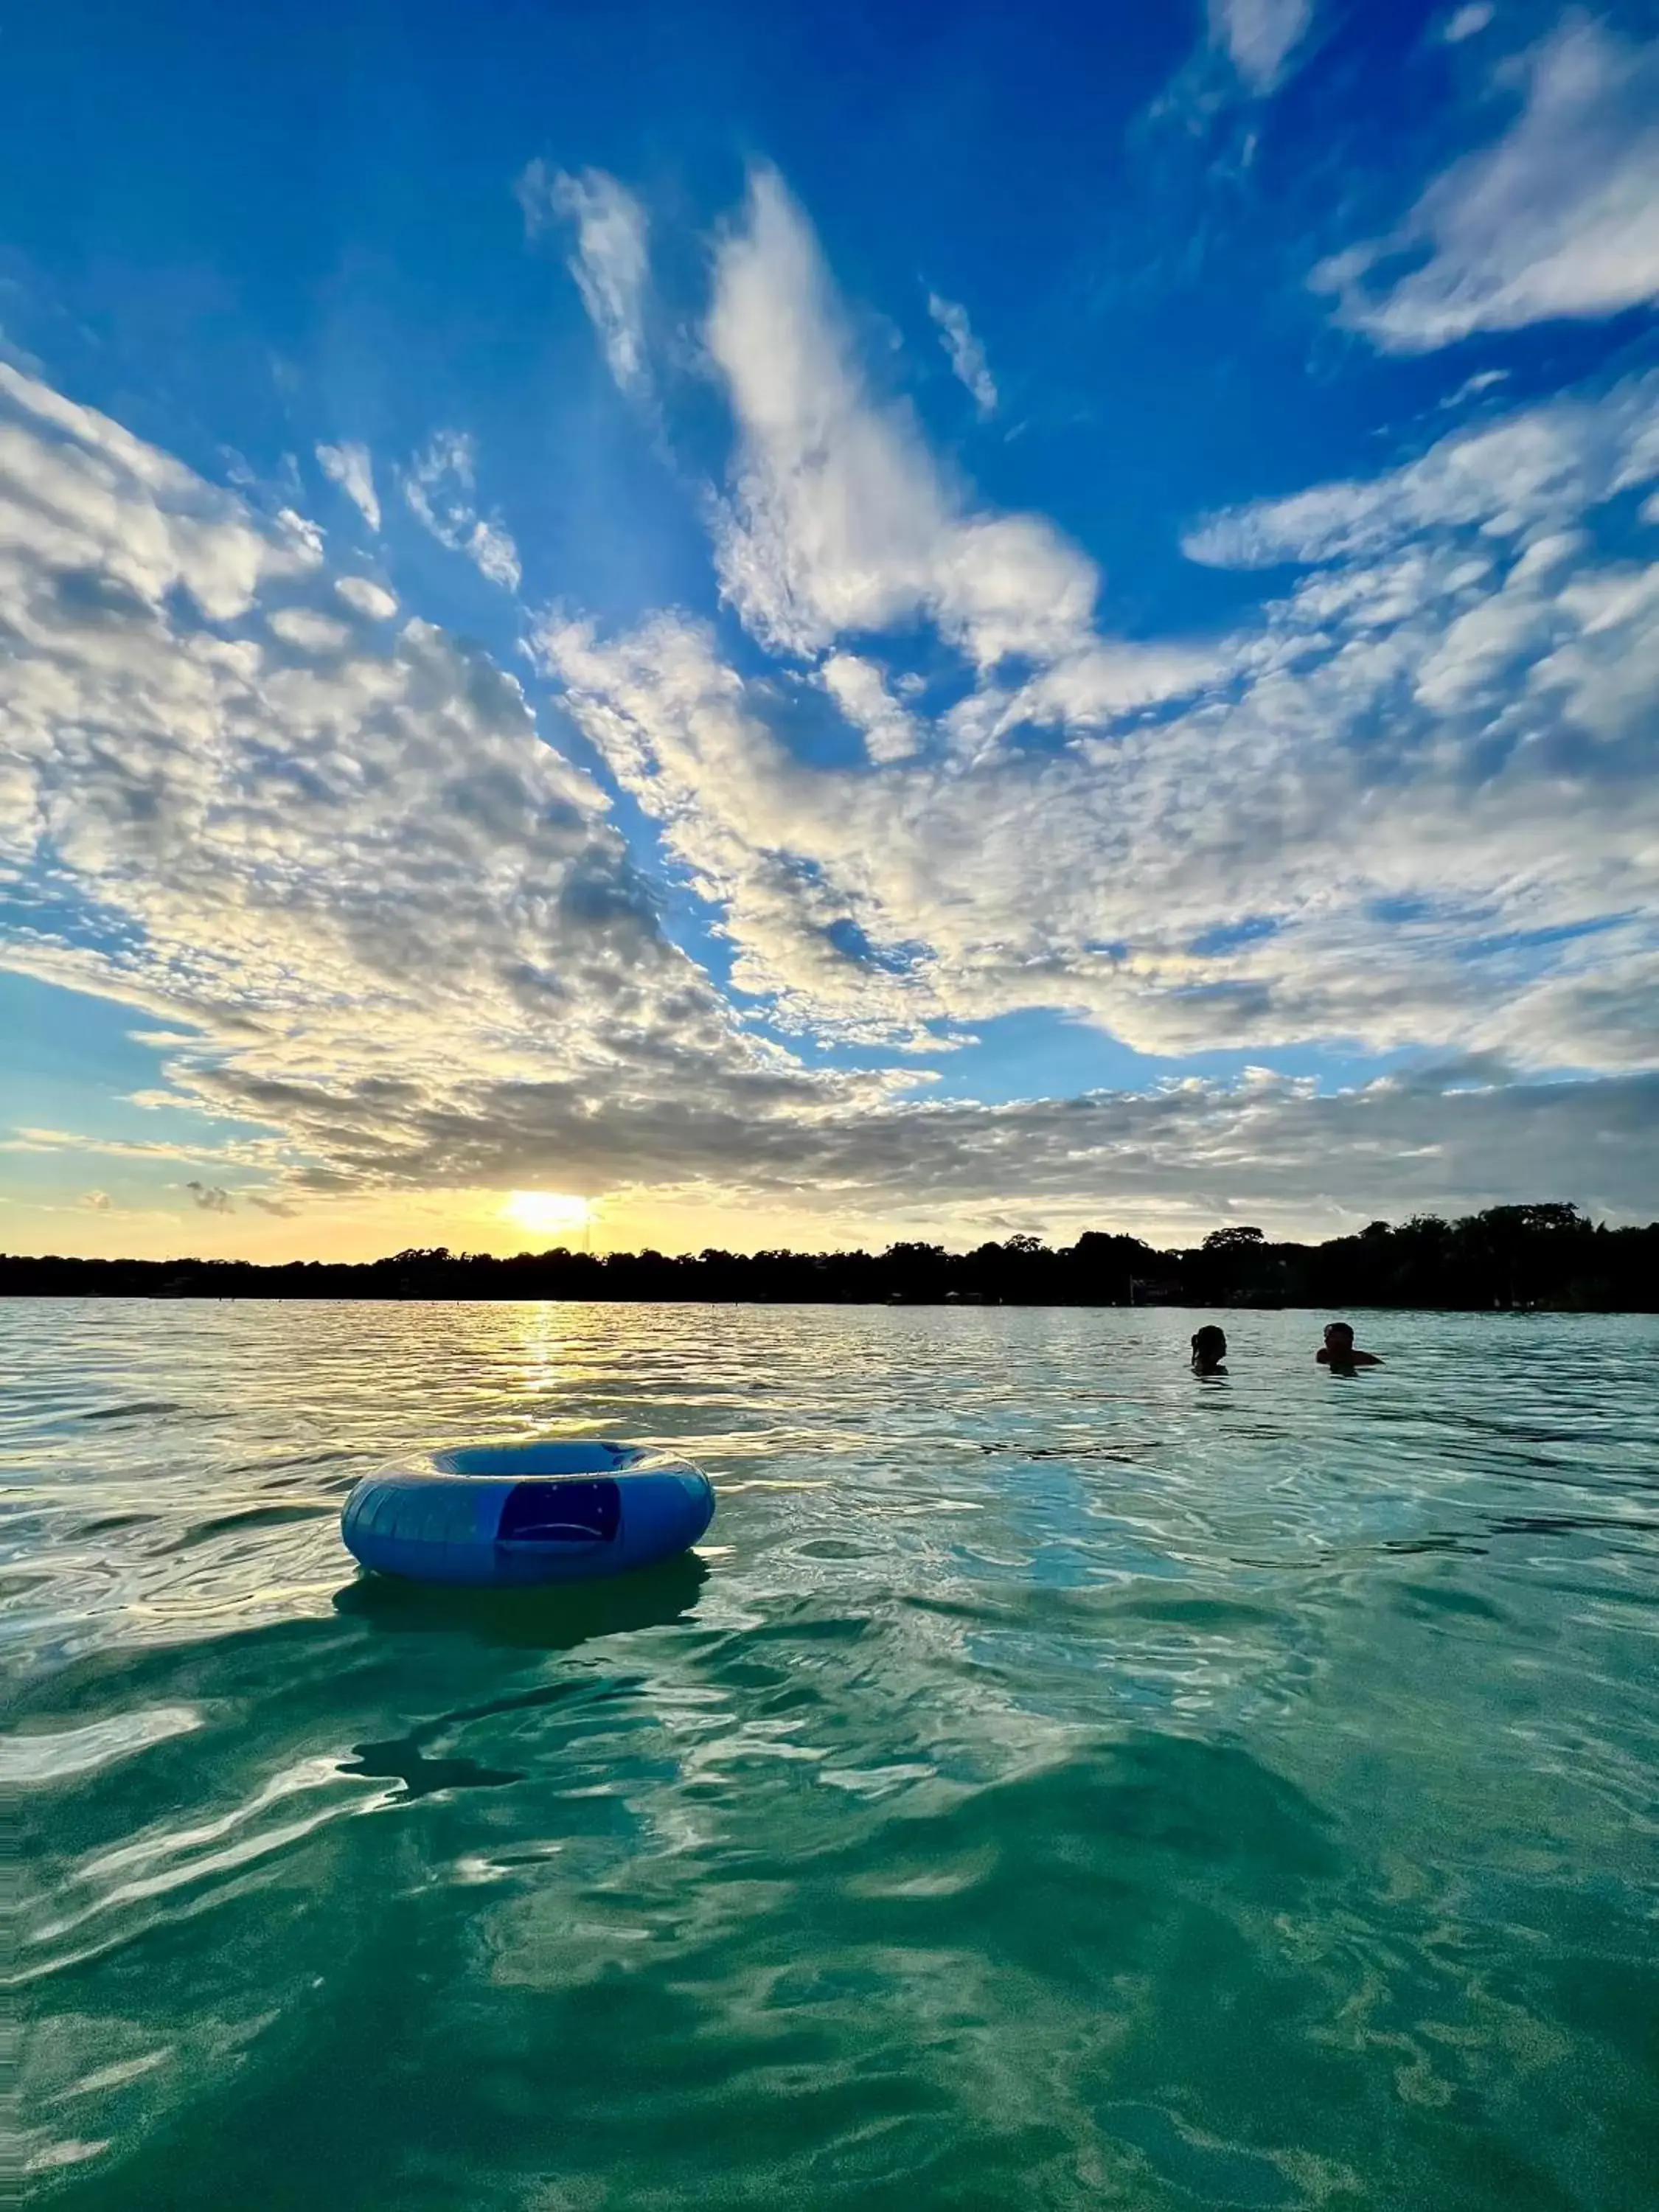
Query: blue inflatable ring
pixel 509 1514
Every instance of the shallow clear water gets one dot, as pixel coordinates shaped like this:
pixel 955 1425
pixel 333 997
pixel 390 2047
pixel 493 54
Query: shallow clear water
pixel 1059 1783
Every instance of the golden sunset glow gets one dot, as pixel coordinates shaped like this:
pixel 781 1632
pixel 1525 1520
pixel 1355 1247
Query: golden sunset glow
pixel 547 1212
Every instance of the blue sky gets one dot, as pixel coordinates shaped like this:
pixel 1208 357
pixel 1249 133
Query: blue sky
pixel 827 624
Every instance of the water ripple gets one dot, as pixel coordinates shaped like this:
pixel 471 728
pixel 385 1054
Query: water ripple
pixel 1057 1782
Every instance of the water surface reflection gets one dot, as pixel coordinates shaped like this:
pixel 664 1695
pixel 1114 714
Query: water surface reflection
pixel 1056 1781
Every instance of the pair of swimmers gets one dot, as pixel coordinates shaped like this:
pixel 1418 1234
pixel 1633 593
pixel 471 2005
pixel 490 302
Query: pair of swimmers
pixel 1339 1351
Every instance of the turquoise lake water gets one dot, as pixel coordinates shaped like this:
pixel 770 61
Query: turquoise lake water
pixel 1059 1782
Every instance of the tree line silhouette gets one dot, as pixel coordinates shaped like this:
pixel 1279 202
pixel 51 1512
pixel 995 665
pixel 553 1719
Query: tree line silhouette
pixel 1547 1256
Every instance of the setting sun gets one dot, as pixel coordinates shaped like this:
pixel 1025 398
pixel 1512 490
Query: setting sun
pixel 544 1211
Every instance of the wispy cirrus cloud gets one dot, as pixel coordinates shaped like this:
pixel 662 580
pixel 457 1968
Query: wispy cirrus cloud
pixel 439 486
pixel 841 522
pixel 352 468
pixel 611 264
pixel 841 519
pixel 35 956
pixel 1530 473
pixel 967 355
pixel 1260 36
pixel 1558 219
pixel 1467 22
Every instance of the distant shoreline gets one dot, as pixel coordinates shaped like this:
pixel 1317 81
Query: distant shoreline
pixel 1546 1258
pixel 207 1295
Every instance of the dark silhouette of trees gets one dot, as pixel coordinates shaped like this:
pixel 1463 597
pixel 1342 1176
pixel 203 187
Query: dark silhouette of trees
pixel 1233 1240
pixel 1547 1255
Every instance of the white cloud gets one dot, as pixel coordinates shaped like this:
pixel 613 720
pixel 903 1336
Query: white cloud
pixel 841 521
pixel 1558 219
pixel 439 485
pixel 379 906
pixel 494 553
pixel 352 468
pixel 1468 21
pixel 99 1201
pixel 312 633
pixel 686 736
pixel 301 532
pixel 1097 684
pixel 859 690
pixel 1259 35
pixel 1187 876
pixel 1605 663
pixel 1483 380
pixel 967 354
pixel 843 524
pixel 371 600
pixel 1415 805
pixel 83 471
pixel 1529 474
pixel 610 263
pixel 29 1138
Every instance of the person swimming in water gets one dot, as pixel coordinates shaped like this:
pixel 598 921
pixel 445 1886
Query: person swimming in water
pixel 1339 1352
pixel 1209 1350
